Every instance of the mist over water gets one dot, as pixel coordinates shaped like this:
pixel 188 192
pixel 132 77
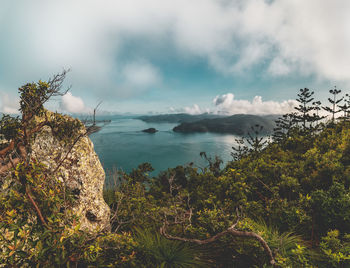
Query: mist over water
pixel 122 144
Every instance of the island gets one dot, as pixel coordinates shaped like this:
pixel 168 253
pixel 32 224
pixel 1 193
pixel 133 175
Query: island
pixel 238 124
pixel 150 130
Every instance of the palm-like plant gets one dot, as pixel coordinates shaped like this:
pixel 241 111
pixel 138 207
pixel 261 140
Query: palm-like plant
pixel 161 252
pixel 291 248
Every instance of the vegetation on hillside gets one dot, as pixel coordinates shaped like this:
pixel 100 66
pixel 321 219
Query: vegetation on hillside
pixel 238 124
pixel 290 196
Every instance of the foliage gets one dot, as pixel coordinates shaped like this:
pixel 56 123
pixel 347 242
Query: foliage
pixel 110 250
pixel 304 109
pixel 284 127
pixel 334 101
pixel 161 252
pixel 9 127
pixel 23 240
pixel 293 192
pixel 38 227
pixel 336 249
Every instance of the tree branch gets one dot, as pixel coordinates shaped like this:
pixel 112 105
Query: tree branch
pixel 38 211
pixel 231 230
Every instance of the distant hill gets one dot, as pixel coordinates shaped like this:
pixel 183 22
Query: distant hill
pixel 238 124
pixel 177 118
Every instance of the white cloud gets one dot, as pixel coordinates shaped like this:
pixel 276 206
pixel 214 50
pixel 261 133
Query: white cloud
pixel 226 104
pixel 279 66
pixel 292 36
pixel 140 74
pixel 223 100
pixel 72 104
pixel 9 105
pixel 195 109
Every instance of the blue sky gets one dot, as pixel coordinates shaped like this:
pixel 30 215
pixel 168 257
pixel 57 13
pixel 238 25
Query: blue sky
pixel 160 56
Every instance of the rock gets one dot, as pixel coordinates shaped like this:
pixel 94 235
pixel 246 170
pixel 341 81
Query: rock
pixel 150 130
pixel 82 172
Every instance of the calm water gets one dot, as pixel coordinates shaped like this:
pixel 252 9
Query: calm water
pixel 121 144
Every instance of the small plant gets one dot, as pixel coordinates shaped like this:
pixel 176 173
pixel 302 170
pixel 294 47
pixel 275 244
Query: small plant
pixel 161 252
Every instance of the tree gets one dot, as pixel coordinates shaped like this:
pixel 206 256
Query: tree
pixel 284 125
pixel 304 98
pixel 316 116
pixel 239 151
pixel 255 140
pixel 345 107
pixel 18 132
pixel 334 102
pixel 213 164
pixel 37 224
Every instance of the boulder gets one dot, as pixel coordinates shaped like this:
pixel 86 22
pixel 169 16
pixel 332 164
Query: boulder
pixel 81 171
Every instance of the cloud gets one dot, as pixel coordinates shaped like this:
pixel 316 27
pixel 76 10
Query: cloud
pixel 193 110
pixel 289 37
pixel 72 104
pixel 279 67
pixel 226 104
pixel 223 100
pixel 9 105
pixel 140 74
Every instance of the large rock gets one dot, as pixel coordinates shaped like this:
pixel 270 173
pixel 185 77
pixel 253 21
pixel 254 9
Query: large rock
pixel 82 172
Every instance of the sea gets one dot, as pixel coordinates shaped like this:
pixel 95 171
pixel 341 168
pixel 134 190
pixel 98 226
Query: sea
pixel 122 145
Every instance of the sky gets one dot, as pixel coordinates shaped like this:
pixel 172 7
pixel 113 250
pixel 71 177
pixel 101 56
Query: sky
pixel 166 56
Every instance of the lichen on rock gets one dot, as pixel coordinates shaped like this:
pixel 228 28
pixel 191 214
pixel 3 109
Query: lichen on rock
pixel 81 171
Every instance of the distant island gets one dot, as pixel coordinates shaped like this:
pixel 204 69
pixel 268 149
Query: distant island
pixel 238 124
pixel 150 130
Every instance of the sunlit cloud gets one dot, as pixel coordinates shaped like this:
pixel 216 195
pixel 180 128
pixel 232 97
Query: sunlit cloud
pixel 297 37
pixel 72 104
pixel 193 110
pixel 9 104
pixel 227 104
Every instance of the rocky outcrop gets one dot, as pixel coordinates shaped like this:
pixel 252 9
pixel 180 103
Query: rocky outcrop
pixel 81 171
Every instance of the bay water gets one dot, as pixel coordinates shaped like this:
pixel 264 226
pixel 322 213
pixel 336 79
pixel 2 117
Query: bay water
pixel 121 144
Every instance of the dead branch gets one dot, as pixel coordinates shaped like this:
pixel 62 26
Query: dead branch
pixel 10 147
pixel 37 209
pixel 6 167
pixel 70 149
pixel 181 217
pixel 231 230
pixel 94 119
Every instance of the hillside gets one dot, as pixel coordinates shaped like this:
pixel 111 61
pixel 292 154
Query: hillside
pixel 177 118
pixel 238 124
pixel 284 202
